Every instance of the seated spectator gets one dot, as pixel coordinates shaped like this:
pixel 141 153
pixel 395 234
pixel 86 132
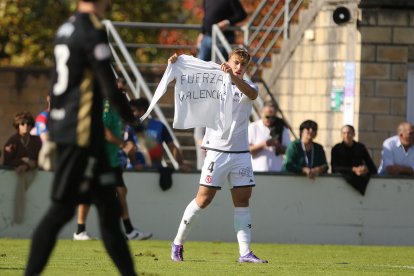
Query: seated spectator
pixel 268 139
pixel 22 149
pixel 304 155
pixel 398 152
pixel 21 152
pixel 352 160
pixel 149 143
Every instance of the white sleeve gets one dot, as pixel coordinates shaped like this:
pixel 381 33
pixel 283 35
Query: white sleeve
pixel 387 156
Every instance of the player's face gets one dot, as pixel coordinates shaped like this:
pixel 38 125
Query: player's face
pixel 238 66
pixel 347 135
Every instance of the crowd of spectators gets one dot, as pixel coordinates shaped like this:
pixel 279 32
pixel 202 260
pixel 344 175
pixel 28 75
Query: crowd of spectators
pixel 270 145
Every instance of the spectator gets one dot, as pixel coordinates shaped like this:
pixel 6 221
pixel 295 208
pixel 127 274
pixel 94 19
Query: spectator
pixel 22 149
pixel 304 155
pixel 352 160
pixel 398 152
pixel 224 13
pixel 40 127
pixel 154 134
pixel 21 152
pixel 114 141
pixel 268 139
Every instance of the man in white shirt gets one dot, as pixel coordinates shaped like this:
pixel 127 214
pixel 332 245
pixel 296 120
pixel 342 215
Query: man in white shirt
pixel 398 152
pixel 268 139
pixel 227 160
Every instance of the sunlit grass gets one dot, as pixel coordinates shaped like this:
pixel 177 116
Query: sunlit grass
pixel 215 258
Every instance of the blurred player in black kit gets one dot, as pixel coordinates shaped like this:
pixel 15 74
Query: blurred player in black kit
pixel 83 77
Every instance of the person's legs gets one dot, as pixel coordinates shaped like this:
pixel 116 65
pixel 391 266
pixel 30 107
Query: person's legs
pixel 44 237
pixel 242 218
pixel 121 192
pixel 205 48
pixel 109 211
pixel 203 198
pixel 81 234
pixel 243 223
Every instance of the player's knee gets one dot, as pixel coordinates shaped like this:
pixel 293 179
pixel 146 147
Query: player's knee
pixel 203 201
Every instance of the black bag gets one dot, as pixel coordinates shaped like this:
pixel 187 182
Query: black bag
pixel 165 180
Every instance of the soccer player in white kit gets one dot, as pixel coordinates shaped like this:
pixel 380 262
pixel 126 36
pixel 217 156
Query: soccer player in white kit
pixel 227 160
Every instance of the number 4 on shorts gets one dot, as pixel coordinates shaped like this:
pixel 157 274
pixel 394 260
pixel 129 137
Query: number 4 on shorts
pixel 211 167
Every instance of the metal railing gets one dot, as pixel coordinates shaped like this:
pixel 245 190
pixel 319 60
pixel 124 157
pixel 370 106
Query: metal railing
pixel 269 23
pixel 139 84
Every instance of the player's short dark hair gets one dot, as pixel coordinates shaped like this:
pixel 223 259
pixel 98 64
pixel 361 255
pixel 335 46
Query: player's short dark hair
pixel 140 104
pixel 23 117
pixel 308 124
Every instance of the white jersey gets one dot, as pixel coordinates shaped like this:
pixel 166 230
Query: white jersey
pixel 237 140
pixel 266 160
pixel 202 94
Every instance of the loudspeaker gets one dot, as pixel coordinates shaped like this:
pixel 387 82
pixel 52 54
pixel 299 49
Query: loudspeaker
pixel 341 15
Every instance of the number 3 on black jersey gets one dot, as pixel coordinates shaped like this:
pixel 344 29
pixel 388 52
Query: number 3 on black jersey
pixel 62 54
pixel 211 167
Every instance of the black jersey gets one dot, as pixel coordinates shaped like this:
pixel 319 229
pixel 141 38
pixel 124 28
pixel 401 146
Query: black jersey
pixel 83 77
pixel 218 10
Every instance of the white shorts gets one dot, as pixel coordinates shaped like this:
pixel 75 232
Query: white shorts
pixel 219 167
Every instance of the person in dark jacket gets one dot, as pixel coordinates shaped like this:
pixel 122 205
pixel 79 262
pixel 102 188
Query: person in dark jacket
pixel 303 155
pixel 352 160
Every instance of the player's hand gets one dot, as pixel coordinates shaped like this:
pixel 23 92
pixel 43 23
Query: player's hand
pixel 46 155
pixel 173 59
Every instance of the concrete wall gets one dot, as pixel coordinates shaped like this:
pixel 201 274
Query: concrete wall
pixel 285 209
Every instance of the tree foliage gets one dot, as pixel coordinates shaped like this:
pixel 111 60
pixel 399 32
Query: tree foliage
pixel 27 26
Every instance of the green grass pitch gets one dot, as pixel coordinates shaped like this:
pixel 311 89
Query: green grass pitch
pixel 215 258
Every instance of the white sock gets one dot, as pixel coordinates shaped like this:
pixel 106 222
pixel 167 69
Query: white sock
pixel 189 217
pixel 242 226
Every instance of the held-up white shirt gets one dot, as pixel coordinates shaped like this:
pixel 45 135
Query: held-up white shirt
pixel 237 141
pixel 393 153
pixel 202 94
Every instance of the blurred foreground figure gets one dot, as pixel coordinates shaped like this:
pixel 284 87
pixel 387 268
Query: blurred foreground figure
pixel 83 77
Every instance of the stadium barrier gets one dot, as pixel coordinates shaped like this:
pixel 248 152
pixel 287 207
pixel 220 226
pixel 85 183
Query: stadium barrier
pixel 285 209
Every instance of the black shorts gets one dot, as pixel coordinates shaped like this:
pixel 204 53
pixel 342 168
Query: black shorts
pixel 80 174
pixel 118 175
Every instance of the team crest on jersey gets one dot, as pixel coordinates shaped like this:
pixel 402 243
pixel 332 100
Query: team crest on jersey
pixel 236 97
pixel 209 178
pixel 246 172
